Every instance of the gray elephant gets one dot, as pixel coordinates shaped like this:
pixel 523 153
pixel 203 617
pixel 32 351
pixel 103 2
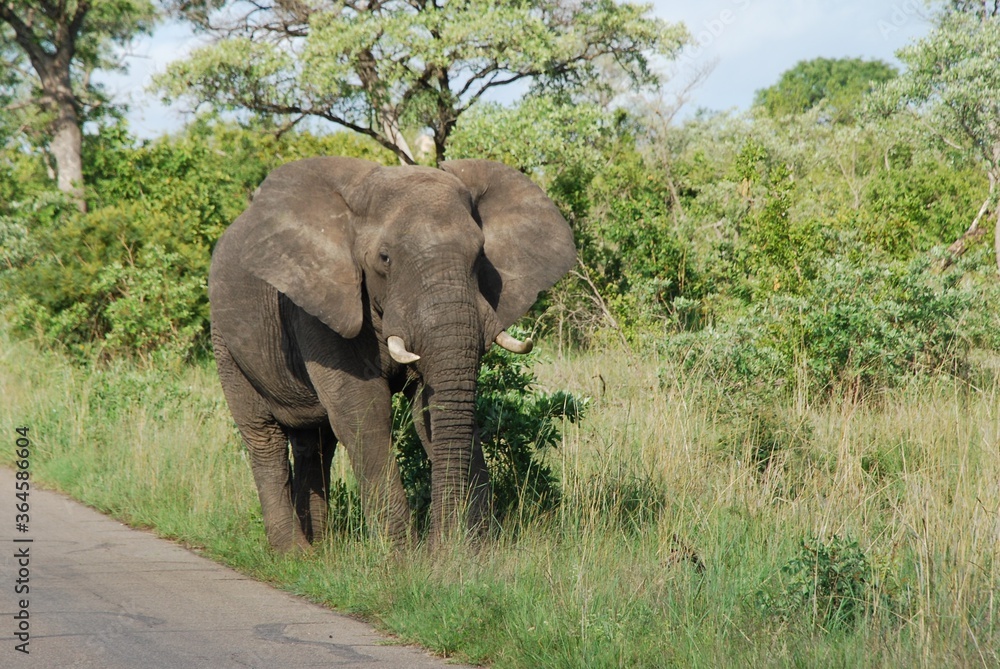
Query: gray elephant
pixel 345 282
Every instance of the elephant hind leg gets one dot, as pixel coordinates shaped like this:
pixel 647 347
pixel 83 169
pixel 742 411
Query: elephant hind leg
pixel 267 445
pixel 312 453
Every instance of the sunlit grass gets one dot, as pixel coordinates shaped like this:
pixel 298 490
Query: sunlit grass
pixel 670 531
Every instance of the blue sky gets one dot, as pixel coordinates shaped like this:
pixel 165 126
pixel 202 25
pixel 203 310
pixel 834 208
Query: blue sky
pixel 751 42
pixel 748 43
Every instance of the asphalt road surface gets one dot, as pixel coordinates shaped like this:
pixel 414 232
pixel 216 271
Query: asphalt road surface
pixel 105 596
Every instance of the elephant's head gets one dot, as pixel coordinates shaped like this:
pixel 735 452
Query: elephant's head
pixel 440 261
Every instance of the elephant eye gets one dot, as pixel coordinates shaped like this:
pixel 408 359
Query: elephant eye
pixel 384 257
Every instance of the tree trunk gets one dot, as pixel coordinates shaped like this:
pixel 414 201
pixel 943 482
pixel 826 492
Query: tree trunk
pixel 996 240
pixel 51 54
pixel 67 148
pixel 390 127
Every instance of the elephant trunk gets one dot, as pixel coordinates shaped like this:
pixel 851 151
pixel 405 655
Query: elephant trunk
pixel 451 401
pixel 449 364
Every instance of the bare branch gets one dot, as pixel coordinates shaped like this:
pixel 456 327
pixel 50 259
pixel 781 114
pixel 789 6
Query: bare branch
pixel 960 245
pixel 584 275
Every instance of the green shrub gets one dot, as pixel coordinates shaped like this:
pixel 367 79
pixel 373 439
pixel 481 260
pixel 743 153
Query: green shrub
pixel 831 584
pixel 860 327
pixel 155 310
pixel 638 259
pixel 517 423
pixel 127 278
pixel 925 199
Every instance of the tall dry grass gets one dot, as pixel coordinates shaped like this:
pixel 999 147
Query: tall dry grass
pixel 681 513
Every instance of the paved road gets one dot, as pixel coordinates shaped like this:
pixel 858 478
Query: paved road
pixel 105 596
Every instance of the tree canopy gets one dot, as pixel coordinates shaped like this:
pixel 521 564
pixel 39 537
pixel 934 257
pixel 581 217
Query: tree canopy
pixel 377 67
pixel 951 88
pixel 981 8
pixel 840 83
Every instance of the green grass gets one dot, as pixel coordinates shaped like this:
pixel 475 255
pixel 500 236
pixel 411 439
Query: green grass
pixel 660 471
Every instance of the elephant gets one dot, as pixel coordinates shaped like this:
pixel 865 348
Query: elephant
pixel 345 282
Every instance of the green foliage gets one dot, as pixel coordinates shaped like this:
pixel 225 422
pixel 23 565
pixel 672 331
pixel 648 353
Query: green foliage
pixel 419 65
pixel 637 257
pixel 922 199
pixel 71 39
pixel 540 133
pixel 973 7
pixel 155 310
pixel 641 253
pixel 517 422
pixel 128 277
pixel 952 82
pixel 831 583
pixel 346 518
pixel 859 327
pixel 414 465
pixel 774 253
pixel 952 85
pixel 838 83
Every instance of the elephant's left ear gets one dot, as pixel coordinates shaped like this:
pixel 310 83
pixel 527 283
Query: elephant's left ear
pixel 529 246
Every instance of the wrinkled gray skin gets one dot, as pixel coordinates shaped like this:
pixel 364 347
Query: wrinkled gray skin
pixel 334 256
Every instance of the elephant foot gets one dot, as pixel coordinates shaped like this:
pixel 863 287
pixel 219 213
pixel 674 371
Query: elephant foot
pixel 297 545
pixel 287 536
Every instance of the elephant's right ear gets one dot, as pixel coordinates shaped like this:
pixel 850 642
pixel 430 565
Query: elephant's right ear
pixel 297 236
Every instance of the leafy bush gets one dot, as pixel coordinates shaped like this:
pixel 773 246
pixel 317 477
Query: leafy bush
pixel 145 309
pixel 517 424
pixel 127 278
pixel 638 260
pixel 155 311
pixel 927 198
pixel 774 252
pixel 831 583
pixel 862 327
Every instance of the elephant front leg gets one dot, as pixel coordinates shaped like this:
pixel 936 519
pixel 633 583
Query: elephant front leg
pixel 267 444
pixel 312 453
pixel 480 516
pixel 268 447
pixel 361 416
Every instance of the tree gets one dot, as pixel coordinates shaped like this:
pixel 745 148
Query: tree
pixel 377 66
pixel 839 82
pixel 980 8
pixel 64 41
pixel 951 88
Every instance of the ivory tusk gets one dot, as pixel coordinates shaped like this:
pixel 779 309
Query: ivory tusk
pixel 397 349
pixel 513 344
